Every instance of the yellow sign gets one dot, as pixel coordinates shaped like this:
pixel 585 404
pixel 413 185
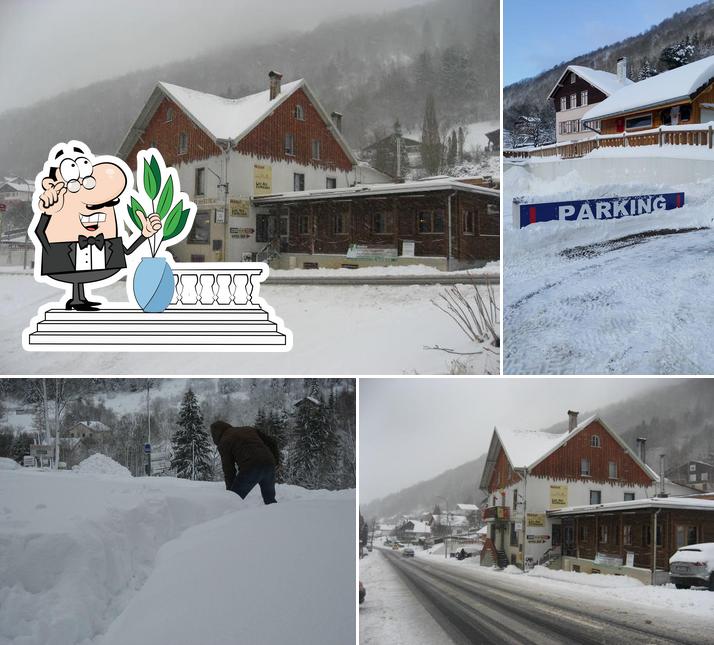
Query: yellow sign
pixel 262 179
pixel 558 496
pixel 535 519
pixel 240 207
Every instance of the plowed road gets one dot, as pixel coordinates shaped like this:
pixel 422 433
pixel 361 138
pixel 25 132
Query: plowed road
pixel 477 609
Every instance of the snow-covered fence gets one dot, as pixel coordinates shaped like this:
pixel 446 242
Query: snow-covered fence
pixel 216 285
pixel 667 135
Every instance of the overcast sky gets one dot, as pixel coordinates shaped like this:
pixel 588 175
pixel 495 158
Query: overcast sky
pixel 48 46
pixel 538 35
pixel 413 429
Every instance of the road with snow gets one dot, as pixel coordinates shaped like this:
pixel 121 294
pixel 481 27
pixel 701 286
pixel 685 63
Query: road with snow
pixel 478 606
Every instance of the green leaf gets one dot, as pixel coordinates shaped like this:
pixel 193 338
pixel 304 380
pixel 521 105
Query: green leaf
pixel 178 229
pixel 133 208
pixel 154 165
pixel 151 186
pixel 174 221
pixel 167 197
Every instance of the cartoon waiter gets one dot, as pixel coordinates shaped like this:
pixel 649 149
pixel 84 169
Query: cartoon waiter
pixel 77 228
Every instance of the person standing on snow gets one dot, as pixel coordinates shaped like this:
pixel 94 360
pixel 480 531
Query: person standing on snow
pixel 256 455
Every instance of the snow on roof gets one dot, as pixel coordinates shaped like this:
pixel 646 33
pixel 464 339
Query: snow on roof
pixel 228 119
pixel 673 85
pixel 524 447
pixel 441 183
pixel 483 530
pixel 97 426
pixel 606 82
pixel 467 507
pixel 18 184
pixel 651 502
pixel 419 527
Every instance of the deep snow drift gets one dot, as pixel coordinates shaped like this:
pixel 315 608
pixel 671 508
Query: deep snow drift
pixel 599 297
pixel 101 560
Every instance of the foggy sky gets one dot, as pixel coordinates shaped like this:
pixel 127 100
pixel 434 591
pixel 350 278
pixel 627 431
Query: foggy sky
pixel 48 46
pixel 413 429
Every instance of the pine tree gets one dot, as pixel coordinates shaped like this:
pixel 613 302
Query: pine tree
pixel 21 446
pixel 430 141
pixel 452 150
pixel 313 456
pixel 191 446
pixel 646 71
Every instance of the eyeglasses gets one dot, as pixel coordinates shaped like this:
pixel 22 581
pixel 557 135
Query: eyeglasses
pixel 73 185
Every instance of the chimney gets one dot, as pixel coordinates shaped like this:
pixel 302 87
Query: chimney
pixel 642 442
pixel 622 69
pixel 275 78
pixel 572 420
pixel 337 120
pixel 661 476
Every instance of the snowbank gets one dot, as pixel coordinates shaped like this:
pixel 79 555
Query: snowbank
pixel 99 464
pixel 512 570
pixel 8 464
pixel 587 579
pixel 410 270
pixel 93 560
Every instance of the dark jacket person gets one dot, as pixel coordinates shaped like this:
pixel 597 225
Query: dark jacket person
pixel 256 455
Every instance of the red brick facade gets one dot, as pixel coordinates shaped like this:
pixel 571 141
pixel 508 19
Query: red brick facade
pixel 503 475
pixel 265 141
pixel 164 135
pixel 565 464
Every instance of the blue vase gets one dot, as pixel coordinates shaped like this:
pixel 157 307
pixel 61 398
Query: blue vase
pixel 153 284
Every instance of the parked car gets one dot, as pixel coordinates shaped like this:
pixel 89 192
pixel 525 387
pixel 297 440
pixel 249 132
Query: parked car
pixel 362 592
pixel 396 546
pixel 408 552
pixel 693 566
pixel 369 547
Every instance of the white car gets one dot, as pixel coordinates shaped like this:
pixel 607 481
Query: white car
pixel 693 566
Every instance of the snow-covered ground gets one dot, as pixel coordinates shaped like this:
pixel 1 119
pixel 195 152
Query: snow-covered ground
pixel 391 613
pixel 96 559
pixel 580 299
pixel 336 330
pixel 590 588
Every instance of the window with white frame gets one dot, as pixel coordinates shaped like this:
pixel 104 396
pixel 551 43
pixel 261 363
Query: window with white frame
pixel 692 468
pixel 584 467
pixel 304 224
pixel 595 497
pixel 638 122
pixel 183 143
pixel 298 181
pixel 595 441
pixel 584 97
pixel 693 477
pixel 200 181
pixel 573 100
pixel 315 148
pixel 704 477
pixel 572 77
pixel 340 223
pixel 299 113
pixel 612 469
pixel 169 114
pixel 563 103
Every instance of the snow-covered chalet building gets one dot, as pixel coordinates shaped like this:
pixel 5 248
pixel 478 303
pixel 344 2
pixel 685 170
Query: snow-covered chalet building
pixel 577 90
pixel 279 140
pixel 528 473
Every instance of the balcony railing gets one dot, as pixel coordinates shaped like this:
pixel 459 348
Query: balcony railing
pixel 497 513
pixel 701 135
pixel 199 284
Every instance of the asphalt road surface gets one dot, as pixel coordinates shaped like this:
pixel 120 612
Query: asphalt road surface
pixel 485 611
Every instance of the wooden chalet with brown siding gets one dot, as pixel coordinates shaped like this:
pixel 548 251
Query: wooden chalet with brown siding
pixel 682 96
pixel 579 88
pixel 444 222
pixel 529 473
pixel 227 151
pixel 598 538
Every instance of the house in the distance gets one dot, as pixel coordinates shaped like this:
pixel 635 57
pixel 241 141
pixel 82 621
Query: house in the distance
pixel 695 474
pixel 681 96
pixel 528 473
pixel 227 151
pixel 15 189
pixel 577 90
pixel 88 430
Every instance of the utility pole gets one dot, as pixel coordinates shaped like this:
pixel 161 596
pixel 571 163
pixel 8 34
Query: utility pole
pixel 47 414
pixel 193 460
pixel 147 448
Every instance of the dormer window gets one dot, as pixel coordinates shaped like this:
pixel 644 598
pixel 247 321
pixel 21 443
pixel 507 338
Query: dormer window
pixel 595 441
pixel 169 115
pixel 299 113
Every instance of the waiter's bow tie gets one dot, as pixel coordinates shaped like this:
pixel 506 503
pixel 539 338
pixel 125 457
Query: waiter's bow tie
pixel 85 241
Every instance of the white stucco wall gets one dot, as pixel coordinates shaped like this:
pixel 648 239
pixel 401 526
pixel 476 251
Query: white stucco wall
pixel 571 115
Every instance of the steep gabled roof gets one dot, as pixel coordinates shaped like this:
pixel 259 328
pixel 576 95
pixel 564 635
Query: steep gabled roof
pixel 225 119
pixel 674 85
pixel 607 82
pixel 525 449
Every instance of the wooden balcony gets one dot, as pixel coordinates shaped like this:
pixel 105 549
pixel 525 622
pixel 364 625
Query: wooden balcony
pixel 494 513
pixel 215 307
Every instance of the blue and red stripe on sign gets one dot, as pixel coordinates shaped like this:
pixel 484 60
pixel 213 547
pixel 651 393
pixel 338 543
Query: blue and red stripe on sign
pixel 602 208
